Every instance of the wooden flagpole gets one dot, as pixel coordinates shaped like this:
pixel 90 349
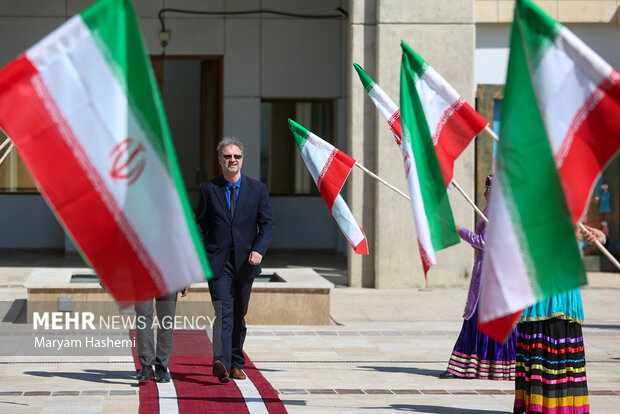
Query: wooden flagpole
pixel 382 181
pixel 601 248
pixel 5 143
pixel 6 154
pixel 458 187
pixel 493 134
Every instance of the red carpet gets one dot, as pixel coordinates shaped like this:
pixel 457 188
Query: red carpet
pixel 195 390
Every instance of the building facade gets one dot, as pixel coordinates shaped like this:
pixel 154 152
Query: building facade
pixel 243 67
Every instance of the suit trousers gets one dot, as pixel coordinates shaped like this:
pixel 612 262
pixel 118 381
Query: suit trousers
pixel 145 338
pixel 230 295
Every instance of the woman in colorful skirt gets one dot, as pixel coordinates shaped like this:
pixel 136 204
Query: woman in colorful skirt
pixel 475 355
pixel 551 364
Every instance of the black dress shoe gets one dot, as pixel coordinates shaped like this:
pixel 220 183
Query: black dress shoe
pixel 219 370
pixel 162 374
pixel 145 374
pixel 447 375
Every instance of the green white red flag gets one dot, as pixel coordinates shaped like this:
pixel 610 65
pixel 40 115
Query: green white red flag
pixel 437 124
pixel 451 122
pixel 330 167
pixel 560 126
pixel 83 109
pixel 448 123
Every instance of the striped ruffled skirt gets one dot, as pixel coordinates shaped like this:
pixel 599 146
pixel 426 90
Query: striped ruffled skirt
pixel 475 355
pixel 551 368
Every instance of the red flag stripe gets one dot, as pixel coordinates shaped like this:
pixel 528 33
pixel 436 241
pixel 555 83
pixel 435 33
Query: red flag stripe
pixel 595 142
pixel 396 127
pixel 362 247
pixel 333 176
pixel 426 261
pixel 500 328
pixel 43 137
pixel 456 129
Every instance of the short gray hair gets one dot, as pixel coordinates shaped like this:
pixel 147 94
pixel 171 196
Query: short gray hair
pixel 230 141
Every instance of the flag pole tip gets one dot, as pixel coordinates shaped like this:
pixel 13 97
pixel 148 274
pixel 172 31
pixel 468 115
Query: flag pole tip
pixel 360 72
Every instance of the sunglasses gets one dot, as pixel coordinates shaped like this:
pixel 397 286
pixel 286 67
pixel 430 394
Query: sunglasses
pixel 229 156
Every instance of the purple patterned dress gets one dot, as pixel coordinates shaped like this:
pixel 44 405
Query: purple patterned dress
pixel 475 355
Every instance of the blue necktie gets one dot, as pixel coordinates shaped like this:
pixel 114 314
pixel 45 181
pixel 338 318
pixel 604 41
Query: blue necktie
pixel 233 199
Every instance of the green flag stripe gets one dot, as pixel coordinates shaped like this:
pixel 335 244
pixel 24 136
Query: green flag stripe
pixel 114 27
pixel 539 31
pixel 417 134
pixel 533 192
pixel 366 80
pixel 300 133
pixel 416 63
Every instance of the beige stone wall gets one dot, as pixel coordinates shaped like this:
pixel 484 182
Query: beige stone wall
pixel 442 32
pixel 565 11
pixel 361 117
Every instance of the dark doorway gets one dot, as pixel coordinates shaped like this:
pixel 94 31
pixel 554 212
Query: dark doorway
pixel 191 89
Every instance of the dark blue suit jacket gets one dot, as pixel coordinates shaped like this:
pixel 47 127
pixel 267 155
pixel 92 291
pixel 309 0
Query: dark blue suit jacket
pixel 613 247
pixel 249 230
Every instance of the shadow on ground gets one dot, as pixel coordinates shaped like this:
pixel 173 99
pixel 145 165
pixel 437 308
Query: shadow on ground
pixel 614 327
pixel 419 408
pixel 91 375
pixel 403 370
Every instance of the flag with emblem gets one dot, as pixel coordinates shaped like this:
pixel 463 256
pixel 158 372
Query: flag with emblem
pixel 330 167
pixel 446 122
pixel 560 126
pixel 83 109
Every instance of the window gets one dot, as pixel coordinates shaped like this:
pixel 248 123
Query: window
pixel 489 105
pixel 14 177
pixel 282 168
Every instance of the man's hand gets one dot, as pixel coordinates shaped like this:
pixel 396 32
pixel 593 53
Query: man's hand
pixel 255 258
pixel 593 235
pixel 185 291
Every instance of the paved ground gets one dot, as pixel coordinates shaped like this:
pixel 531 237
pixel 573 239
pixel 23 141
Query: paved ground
pixel 382 354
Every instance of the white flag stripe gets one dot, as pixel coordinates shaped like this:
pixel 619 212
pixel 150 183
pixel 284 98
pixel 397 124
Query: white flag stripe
pixel 167 398
pixel 433 93
pixel 95 107
pixel 346 222
pixel 512 294
pixel 384 104
pixel 388 108
pixel 566 81
pixel 319 151
pixel 417 203
pixel 253 400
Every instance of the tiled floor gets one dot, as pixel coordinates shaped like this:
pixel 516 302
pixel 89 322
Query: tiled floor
pixel 384 355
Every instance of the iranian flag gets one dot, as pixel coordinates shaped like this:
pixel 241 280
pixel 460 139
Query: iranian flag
pixel 83 109
pixel 330 168
pixel 451 123
pixel 560 126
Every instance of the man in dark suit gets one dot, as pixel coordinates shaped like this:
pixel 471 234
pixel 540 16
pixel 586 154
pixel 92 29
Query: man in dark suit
pixel 236 222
